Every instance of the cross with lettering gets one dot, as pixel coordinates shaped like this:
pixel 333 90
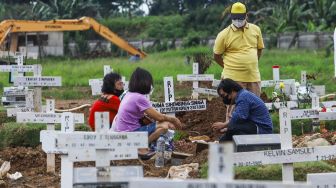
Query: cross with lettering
pixel 100 146
pixel 220 174
pixel 50 118
pixel 195 78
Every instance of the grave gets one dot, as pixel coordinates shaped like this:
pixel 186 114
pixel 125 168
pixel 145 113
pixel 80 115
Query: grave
pixel 258 142
pixel 100 146
pixel 195 78
pixel 50 118
pixel 220 174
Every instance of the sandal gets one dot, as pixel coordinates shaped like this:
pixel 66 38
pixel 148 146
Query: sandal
pixel 147 155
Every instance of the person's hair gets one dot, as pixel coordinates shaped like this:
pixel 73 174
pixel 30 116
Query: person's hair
pixel 109 83
pixel 141 81
pixel 228 85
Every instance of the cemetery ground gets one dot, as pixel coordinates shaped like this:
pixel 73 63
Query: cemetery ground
pixel 20 143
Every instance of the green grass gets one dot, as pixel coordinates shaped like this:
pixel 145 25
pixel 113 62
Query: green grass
pixel 77 72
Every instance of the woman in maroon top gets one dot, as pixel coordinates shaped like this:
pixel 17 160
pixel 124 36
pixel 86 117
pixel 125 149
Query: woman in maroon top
pixel 109 100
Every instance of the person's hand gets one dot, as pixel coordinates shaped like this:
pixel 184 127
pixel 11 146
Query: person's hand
pixel 177 123
pixel 218 126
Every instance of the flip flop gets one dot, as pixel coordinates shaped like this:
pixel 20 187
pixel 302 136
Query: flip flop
pixel 147 155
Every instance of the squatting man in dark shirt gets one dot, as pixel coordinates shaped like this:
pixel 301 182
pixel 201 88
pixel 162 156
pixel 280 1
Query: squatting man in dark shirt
pixel 250 115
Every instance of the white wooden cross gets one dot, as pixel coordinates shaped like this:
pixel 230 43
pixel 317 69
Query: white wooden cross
pixel 220 175
pixel 195 78
pixel 288 155
pixel 168 85
pixel 100 146
pixel 322 180
pixel 50 118
pixel 97 84
pixel 335 51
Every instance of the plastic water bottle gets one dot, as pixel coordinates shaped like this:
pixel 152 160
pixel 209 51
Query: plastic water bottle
pixel 160 149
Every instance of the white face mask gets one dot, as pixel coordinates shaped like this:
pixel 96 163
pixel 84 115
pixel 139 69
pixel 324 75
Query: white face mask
pixel 238 23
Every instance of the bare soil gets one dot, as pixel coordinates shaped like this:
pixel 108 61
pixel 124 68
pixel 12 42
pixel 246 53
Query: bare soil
pixel 31 162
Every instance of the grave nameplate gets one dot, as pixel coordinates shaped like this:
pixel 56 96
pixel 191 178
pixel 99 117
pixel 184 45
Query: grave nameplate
pixel 292 155
pixel 31 117
pixel 206 91
pixel 273 83
pixel 180 106
pixel 17 68
pixel 165 183
pixel 106 175
pixel 38 81
pixel 322 180
pixel 195 77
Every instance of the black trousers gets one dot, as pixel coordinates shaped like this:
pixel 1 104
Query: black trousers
pixel 241 128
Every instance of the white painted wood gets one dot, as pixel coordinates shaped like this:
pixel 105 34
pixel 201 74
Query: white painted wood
pixel 179 106
pixel 215 83
pixel 286 142
pixel 30 99
pixel 276 73
pixel 37 70
pixel 327 116
pixel 34 117
pixel 272 83
pixel 221 162
pixel 282 156
pixel 198 77
pixel 278 105
pixel 303 78
pixel 315 102
pixel 319 90
pixel 322 180
pixel 206 91
pixel 107 69
pixel 38 81
pixel 304 114
pixel 66 172
pixel 193 183
pixel 37 99
pixel 335 51
pixel 107 140
pixel 87 175
pixel 195 83
pixel 168 85
pixel 102 122
pixel 17 68
pixel 328 104
pixel 50 108
pixel 67 122
pixel 11 112
pixel 117 153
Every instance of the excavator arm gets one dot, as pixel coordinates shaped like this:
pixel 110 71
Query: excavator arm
pixel 84 23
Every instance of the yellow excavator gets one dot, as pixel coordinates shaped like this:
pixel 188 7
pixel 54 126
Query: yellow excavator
pixel 84 23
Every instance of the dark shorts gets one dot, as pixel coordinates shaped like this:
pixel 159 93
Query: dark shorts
pixel 148 128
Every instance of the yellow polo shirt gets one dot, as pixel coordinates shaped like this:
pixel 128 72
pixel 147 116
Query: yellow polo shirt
pixel 239 48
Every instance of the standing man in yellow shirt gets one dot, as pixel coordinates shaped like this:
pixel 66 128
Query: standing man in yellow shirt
pixel 238 48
